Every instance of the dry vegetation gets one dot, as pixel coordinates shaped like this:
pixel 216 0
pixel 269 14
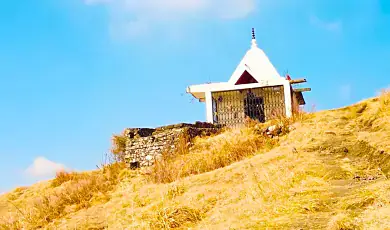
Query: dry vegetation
pixel 330 172
pixel 210 154
pixel 118 146
pixel 67 193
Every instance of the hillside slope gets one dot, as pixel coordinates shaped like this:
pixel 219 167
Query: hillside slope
pixel 330 172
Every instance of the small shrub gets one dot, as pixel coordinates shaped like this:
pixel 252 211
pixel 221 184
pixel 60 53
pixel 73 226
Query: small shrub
pixel 119 145
pixel 62 177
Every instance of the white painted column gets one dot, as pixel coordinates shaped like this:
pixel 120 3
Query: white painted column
pixel 209 107
pixel 287 98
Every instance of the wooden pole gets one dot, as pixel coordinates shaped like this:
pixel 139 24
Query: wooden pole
pixel 296 81
pixel 302 90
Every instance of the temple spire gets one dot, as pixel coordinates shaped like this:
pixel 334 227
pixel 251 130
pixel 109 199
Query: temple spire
pixel 254 44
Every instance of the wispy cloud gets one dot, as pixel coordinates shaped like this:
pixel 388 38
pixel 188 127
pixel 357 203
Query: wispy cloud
pixel 332 26
pixel 44 168
pixel 345 92
pixel 131 18
pixel 382 90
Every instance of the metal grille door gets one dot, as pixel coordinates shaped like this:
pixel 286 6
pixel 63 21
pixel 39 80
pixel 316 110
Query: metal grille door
pixel 230 108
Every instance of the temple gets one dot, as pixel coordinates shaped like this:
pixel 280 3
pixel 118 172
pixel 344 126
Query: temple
pixel 254 90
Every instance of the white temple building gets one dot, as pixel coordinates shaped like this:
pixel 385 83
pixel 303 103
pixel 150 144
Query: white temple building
pixel 255 90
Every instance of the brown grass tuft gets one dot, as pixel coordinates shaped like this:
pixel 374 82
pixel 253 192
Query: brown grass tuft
pixel 63 176
pixel 176 190
pixel 176 217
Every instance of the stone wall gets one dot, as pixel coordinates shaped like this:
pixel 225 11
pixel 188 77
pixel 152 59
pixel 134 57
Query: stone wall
pixel 145 145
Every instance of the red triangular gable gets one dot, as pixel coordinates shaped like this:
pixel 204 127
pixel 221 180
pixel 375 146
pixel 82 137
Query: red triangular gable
pixel 246 78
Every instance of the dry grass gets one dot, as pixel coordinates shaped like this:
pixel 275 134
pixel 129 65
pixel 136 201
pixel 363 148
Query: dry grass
pixel 176 190
pixel 384 101
pixel 72 192
pixel 208 154
pixel 176 217
pixel 344 221
pixel 330 172
pixel 211 154
pixel 63 176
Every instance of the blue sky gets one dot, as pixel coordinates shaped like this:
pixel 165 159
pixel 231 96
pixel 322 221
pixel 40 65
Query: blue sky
pixel 75 72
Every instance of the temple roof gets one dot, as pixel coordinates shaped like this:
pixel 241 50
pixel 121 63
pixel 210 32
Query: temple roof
pixel 257 64
pixel 254 70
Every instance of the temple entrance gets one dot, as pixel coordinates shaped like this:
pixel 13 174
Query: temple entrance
pixel 232 107
pixel 254 107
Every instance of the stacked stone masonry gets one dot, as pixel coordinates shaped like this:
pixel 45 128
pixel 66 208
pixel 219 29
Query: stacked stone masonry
pixel 145 145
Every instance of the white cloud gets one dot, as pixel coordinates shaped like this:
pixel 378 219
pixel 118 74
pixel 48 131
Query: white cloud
pixel 132 18
pixel 332 26
pixel 44 168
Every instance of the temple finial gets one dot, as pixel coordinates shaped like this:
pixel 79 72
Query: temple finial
pixel 254 44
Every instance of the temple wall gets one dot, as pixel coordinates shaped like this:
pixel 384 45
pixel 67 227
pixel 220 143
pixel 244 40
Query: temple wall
pixel 145 145
pixel 295 103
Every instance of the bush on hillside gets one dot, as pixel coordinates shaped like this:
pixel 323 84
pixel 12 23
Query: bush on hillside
pixel 118 146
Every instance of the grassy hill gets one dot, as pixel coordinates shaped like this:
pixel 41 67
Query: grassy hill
pixel 329 171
